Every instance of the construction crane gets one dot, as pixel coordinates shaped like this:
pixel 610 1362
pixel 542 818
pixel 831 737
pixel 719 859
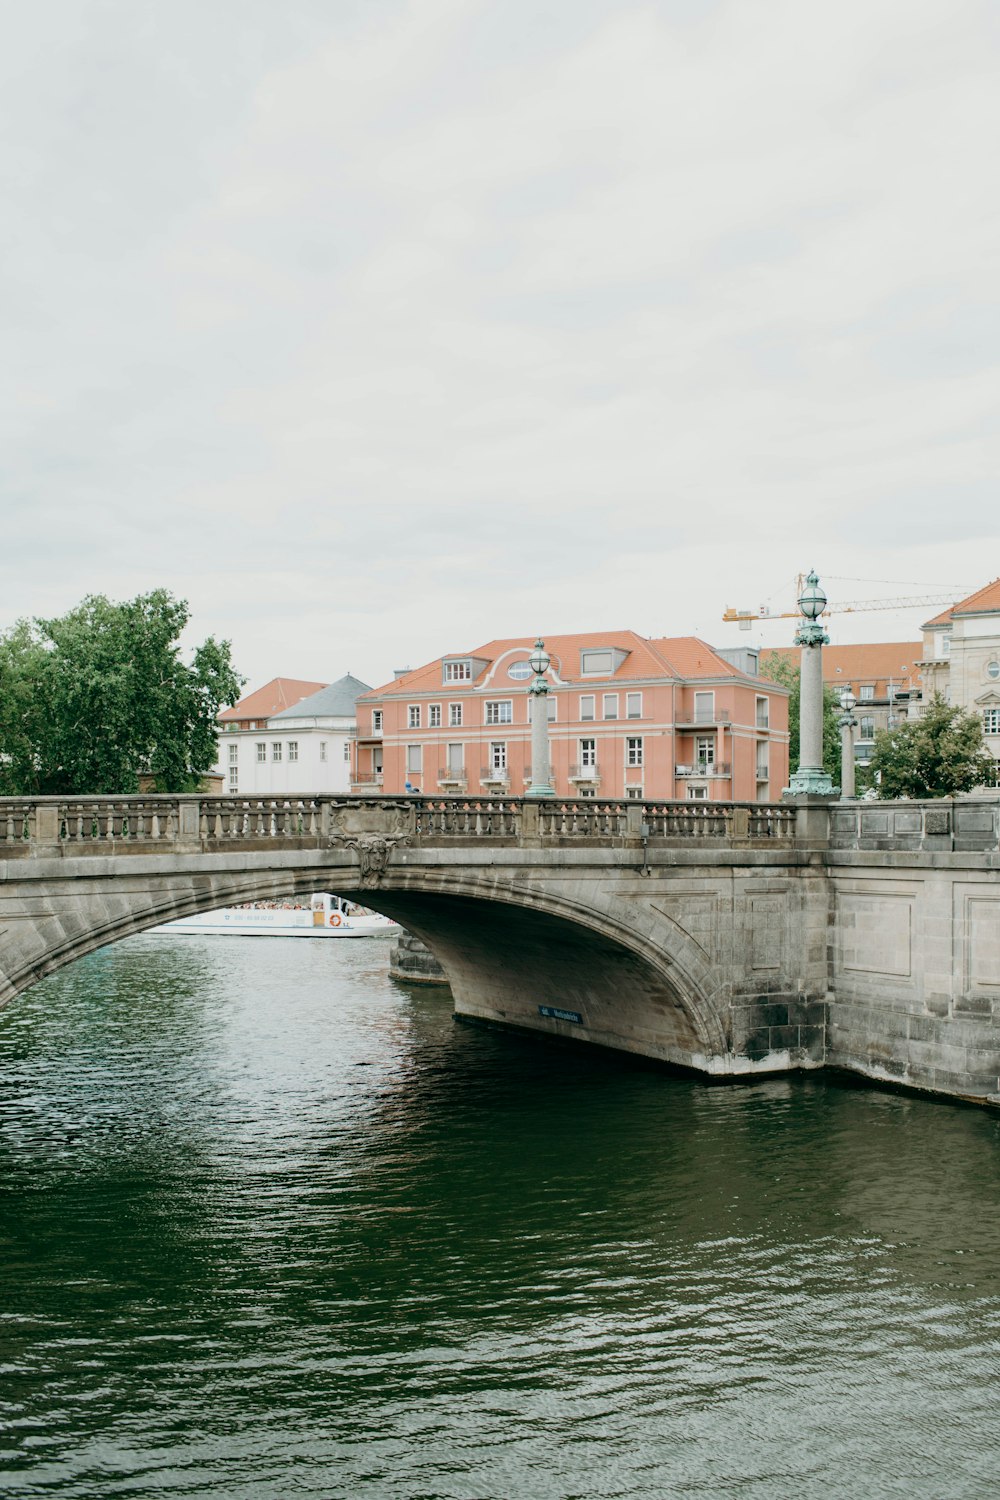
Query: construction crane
pixel 745 617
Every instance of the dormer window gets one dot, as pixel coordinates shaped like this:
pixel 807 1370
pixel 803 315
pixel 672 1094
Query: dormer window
pixel 601 661
pixel 458 671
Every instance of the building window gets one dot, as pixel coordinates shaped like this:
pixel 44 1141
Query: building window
pixel 293 749
pixel 762 764
pixel 550 707
pixel 994 783
pixel 588 755
pixel 261 751
pixel 697 793
pixel 458 671
pixel 634 793
pixel 633 705
pixel 704 749
pixel 611 705
pixel 275 750
pixel 587 791
pixel 587 706
pixel 434 716
pixel 993 669
pixel 347 750
pixel 763 710
pixel 322 749
pixel 866 727
pixel 991 721
pixel 413 716
pixel 498 756
pixel 233 779
pixel 234 754
pixel 454 715
pixel 377 763
pixel 633 751
pixel 456 759
pixel 413 760
pixel 596 663
pixel 376 721
pixel 704 708
pixel 500 711
pixel 866 693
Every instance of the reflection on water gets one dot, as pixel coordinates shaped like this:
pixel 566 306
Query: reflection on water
pixel 273 1224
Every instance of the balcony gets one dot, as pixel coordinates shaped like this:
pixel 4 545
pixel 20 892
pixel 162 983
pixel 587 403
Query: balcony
pixel 455 778
pixel 550 776
pixel 367 779
pixel 702 718
pixel 705 768
pixel 494 776
pixel 585 773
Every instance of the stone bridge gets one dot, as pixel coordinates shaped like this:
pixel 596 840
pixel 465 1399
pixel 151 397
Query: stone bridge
pixel 730 938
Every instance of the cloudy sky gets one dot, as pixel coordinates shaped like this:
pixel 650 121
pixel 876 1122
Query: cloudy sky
pixel 377 328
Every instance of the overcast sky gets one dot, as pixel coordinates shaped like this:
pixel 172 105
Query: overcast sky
pixel 378 328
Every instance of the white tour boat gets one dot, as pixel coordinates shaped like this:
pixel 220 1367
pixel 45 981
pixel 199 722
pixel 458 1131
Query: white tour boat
pixel 326 916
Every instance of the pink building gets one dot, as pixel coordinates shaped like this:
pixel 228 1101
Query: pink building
pixel 628 717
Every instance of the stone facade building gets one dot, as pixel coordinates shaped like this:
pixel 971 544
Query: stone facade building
pixel 961 661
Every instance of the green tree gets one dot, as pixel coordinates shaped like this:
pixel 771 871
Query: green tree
pixel 936 755
pixel 784 670
pixel 95 699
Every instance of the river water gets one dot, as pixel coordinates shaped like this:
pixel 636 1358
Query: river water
pixel 272 1224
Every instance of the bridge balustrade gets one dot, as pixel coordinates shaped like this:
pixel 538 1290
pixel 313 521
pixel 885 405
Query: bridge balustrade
pixel 149 822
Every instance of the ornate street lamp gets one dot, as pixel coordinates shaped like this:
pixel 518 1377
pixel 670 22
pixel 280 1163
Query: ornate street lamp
pixel 848 723
pixel 539 661
pixel 811 779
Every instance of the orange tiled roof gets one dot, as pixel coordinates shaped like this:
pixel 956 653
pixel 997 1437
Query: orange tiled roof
pixel 983 601
pixel 279 693
pixel 688 657
pixel 671 656
pixel 876 661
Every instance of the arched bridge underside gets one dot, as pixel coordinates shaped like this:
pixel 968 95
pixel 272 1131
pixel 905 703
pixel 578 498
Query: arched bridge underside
pixel 672 943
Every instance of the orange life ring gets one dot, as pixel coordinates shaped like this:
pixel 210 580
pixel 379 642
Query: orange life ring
pixel 335 919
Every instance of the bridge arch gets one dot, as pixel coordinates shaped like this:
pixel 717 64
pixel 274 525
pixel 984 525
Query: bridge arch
pixel 515 954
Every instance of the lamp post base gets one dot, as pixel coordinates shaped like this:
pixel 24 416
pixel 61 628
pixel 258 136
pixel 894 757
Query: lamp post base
pixel 539 791
pixel 810 781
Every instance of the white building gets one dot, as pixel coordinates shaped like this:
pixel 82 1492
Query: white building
pixel 962 661
pixel 305 748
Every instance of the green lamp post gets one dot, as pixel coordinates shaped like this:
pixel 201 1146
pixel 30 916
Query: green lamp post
pixel 847 723
pixel 810 779
pixel 539 662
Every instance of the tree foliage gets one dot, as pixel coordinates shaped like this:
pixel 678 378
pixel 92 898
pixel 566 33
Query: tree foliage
pixel 784 670
pixel 95 699
pixel 936 755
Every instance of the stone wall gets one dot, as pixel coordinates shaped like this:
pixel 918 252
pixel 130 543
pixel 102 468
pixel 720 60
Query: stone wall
pixel 915 971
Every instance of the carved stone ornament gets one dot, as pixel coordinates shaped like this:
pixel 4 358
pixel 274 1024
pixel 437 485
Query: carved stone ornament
pixel 381 819
pixel 374 853
pixel 937 821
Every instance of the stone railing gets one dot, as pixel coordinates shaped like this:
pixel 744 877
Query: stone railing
pixel 945 824
pixel 102 825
